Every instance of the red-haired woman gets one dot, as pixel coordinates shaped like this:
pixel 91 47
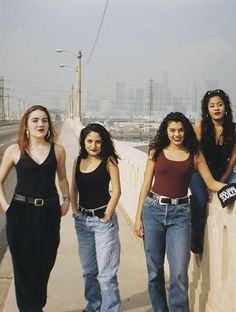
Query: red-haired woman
pixel 34 214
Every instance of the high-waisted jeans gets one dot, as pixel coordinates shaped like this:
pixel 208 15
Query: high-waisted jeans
pixel 99 251
pixel 167 230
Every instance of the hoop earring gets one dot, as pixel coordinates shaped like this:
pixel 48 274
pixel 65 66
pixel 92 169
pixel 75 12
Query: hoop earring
pixel 48 134
pixel 27 134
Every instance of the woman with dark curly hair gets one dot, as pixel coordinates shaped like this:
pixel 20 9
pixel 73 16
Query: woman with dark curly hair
pixel 95 219
pixel 216 134
pixel 163 216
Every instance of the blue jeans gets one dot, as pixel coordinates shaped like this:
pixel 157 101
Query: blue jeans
pixel 167 228
pixel 99 250
pixel 198 205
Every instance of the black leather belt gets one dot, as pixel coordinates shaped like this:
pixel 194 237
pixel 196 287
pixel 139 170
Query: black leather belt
pixel 98 212
pixel 36 201
pixel 163 200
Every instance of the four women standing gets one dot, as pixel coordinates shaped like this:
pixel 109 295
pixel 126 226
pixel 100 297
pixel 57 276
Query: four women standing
pixel 163 217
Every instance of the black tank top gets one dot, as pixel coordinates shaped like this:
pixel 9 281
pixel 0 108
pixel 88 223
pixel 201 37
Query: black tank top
pixel 217 157
pixel 36 180
pixel 93 187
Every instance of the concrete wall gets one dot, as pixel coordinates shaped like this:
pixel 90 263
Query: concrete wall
pixel 212 276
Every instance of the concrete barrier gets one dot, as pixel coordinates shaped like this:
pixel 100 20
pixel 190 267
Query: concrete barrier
pixel 212 276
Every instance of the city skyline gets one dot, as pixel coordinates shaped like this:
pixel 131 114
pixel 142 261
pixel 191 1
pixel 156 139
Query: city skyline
pixel 191 41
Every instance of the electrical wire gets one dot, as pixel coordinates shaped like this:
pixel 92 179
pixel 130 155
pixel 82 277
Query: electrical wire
pixel 98 33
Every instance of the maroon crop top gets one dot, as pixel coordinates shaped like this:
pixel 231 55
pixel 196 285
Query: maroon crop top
pixel 172 178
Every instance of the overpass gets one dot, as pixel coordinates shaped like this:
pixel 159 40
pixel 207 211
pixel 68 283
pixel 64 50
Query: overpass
pixel 211 276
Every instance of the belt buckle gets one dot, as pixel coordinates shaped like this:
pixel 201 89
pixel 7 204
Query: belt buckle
pixel 160 200
pixel 38 202
pixel 174 201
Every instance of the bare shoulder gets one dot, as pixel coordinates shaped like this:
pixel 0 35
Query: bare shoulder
pixel 112 161
pixel 151 154
pixel 13 149
pixel 12 153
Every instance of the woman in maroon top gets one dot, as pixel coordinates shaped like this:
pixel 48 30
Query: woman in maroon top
pixel 163 216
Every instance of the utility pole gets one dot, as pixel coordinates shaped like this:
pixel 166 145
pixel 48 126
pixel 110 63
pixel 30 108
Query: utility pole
pixel 78 87
pixel 18 108
pixel 2 104
pixel 8 107
pixel 72 103
pixel 150 98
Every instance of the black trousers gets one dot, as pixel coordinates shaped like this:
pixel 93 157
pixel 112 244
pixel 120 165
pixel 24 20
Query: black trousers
pixel 33 235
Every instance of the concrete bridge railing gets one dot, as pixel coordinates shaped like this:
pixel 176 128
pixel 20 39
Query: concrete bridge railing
pixel 212 276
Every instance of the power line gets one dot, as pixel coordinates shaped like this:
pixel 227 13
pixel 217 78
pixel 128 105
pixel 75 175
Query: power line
pixel 98 33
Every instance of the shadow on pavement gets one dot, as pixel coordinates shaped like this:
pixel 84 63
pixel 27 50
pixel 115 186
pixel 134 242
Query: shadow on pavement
pixel 135 302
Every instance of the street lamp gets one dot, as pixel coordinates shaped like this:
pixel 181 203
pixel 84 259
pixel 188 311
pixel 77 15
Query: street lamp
pixel 78 79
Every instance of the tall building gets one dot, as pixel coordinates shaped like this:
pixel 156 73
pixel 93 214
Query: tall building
pixel 131 102
pixel 120 95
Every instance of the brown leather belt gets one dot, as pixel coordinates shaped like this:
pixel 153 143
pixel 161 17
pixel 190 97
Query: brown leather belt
pixel 163 200
pixel 36 201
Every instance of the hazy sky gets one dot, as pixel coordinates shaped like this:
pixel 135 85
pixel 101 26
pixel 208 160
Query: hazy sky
pixel 193 40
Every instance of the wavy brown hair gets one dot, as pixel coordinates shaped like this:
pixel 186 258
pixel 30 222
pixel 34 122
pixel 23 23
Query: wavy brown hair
pixel 22 139
pixel 161 139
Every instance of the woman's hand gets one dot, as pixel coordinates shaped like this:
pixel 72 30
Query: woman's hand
pixel 6 207
pixel 138 227
pixel 107 217
pixel 65 207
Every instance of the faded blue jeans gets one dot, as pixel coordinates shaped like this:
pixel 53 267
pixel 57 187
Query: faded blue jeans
pixel 99 251
pixel 198 203
pixel 167 229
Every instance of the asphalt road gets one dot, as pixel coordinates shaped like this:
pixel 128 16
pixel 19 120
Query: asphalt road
pixel 7 137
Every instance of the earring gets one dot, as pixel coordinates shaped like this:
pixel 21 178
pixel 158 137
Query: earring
pixel 207 115
pixel 27 134
pixel 48 134
pixel 226 113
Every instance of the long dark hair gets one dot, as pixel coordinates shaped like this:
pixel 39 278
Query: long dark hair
pixel 22 138
pixel 108 150
pixel 161 139
pixel 207 126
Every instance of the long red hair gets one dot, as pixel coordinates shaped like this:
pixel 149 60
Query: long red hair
pixel 22 138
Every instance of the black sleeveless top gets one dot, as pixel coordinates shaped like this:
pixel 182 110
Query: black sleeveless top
pixel 217 156
pixel 93 187
pixel 217 159
pixel 36 180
